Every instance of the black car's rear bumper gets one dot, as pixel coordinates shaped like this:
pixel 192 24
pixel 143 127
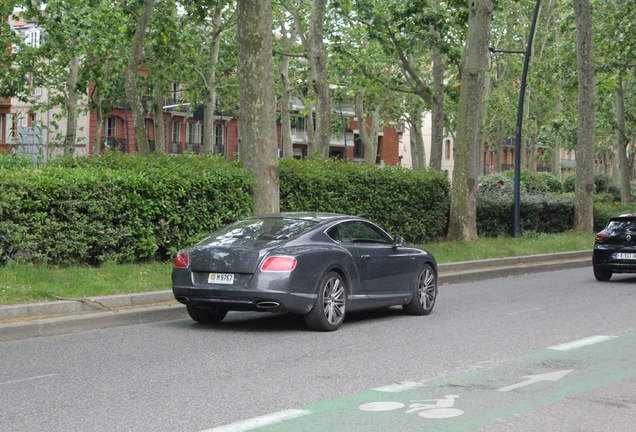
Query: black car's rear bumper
pixel 604 259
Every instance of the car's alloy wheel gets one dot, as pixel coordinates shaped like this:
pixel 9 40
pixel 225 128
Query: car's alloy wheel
pixel 329 310
pixel 425 293
pixel 602 275
pixel 206 316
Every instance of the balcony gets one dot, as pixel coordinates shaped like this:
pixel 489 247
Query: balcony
pixel 176 147
pixel 194 148
pixel 115 144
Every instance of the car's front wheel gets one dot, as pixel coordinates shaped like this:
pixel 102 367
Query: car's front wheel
pixel 425 293
pixel 602 275
pixel 328 312
pixel 206 316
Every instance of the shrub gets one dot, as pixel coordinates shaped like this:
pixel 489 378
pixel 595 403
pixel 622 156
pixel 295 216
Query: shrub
pixel 604 211
pixel 118 208
pixel 413 204
pixel 552 183
pixel 569 182
pixel 539 214
pixel 530 182
pixel 9 161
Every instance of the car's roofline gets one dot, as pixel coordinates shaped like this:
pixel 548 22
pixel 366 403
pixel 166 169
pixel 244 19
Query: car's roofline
pixel 311 216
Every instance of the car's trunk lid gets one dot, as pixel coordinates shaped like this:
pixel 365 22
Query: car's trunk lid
pixel 241 256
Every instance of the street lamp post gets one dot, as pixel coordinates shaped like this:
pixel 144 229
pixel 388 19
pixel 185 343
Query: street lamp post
pixel 522 93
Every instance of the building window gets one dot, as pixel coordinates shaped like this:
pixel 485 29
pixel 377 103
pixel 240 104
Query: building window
pixel 194 133
pixel 358 147
pixel 218 135
pixel 22 119
pixel 448 149
pixel 176 93
pixel 176 132
pixel 32 119
pixel 109 127
pixel 33 38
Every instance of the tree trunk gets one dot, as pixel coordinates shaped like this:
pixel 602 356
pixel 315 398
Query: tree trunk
pixel 462 224
pixel 309 126
pixel 99 120
pixel 498 152
pixel 209 91
pixel 556 157
pixel 257 126
pixel 285 102
pixel 621 143
pixel 130 79
pixel 583 199
pixel 71 108
pixel 158 124
pixel 368 133
pixel 532 159
pixel 318 62
pixel 418 152
pixel 437 107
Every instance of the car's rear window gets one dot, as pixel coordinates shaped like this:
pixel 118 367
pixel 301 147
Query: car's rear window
pixel 262 229
pixel 622 224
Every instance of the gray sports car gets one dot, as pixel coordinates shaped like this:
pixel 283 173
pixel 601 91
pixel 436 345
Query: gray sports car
pixel 320 265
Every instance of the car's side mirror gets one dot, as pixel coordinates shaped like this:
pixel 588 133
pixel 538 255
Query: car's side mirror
pixel 398 242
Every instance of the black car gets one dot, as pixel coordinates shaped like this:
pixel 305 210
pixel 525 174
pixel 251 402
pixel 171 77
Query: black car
pixel 615 248
pixel 320 265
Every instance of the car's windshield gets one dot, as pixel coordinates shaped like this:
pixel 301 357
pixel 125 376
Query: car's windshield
pixel 260 229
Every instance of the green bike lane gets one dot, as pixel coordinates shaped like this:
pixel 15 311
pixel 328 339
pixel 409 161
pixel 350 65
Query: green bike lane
pixel 467 402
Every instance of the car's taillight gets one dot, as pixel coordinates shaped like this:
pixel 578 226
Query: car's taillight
pixel 601 237
pixel 279 264
pixel 182 260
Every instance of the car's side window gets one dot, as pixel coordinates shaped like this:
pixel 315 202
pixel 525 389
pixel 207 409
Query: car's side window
pixel 361 232
pixel 339 234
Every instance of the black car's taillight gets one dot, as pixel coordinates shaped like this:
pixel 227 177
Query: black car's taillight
pixel 601 237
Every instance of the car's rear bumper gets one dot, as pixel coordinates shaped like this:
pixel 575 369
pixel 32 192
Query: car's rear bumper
pixel 261 301
pixel 604 259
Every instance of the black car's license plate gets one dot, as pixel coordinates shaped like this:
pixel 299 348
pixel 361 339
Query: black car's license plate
pixel 221 278
pixel 622 255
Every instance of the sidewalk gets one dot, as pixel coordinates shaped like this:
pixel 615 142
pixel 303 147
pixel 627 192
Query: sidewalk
pixel 68 316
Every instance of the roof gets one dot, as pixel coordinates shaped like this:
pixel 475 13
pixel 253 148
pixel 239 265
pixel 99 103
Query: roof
pixel 313 216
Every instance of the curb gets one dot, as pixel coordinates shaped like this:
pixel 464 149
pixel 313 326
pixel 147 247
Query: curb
pixel 25 321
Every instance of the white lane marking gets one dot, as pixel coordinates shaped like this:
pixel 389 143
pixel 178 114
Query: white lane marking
pixel 28 379
pixel 580 343
pixel 400 387
pixel 531 379
pixel 257 422
pixel 381 406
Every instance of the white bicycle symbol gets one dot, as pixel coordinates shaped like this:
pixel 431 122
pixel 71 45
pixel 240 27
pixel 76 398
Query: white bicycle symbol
pixel 441 409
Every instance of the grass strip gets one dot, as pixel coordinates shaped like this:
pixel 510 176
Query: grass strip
pixel 22 283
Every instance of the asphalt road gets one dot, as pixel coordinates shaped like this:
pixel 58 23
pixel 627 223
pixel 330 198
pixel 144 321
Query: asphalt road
pixel 474 360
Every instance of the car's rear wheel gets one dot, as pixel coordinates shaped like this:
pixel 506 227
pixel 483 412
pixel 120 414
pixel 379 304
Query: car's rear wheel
pixel 206 316
pixel 602 275
pixel 329 310
pixel 425 293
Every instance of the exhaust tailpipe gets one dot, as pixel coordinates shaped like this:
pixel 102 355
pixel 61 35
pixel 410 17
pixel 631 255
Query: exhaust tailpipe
pixel 267 304
pixel 183 299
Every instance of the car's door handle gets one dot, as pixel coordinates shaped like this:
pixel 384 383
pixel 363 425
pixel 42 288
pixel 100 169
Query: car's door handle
pixel 365 256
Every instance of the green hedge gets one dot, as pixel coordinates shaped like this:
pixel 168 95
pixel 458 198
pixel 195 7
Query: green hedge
pixel 118 208
pixel 603 211
pixel 539 213
pixel 413 204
